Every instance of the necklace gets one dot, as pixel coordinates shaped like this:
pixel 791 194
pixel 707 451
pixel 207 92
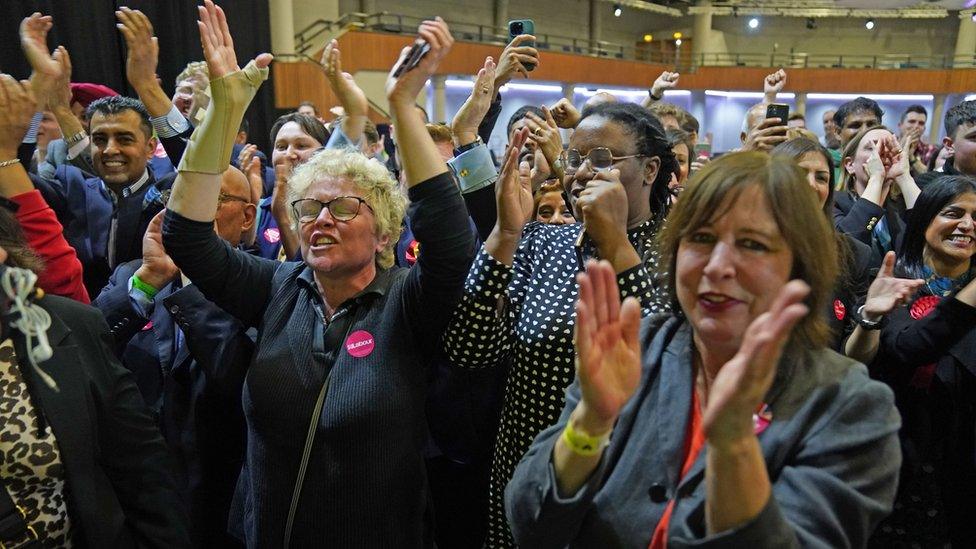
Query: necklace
pixel 943 286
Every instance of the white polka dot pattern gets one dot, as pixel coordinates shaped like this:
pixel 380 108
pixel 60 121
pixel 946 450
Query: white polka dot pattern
pixel 525 315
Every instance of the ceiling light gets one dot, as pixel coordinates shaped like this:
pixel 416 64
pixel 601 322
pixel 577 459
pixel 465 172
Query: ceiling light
pixel 648 37
pixel 677 35
pixel 869 24
pixel 617 10
pixel 754 23
pixel 677 42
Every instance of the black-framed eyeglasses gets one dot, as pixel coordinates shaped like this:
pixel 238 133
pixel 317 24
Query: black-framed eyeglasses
pixel 224 197
pixel 600 158
pixel 341 208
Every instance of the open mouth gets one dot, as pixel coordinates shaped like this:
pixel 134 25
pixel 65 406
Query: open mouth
pixel 716 302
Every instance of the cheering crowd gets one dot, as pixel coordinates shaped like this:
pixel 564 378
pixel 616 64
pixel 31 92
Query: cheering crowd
pixel 347 342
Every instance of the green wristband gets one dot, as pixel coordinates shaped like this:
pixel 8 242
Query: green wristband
pixel 138 284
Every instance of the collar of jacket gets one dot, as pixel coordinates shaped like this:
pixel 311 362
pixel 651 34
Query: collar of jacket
pixel 378 286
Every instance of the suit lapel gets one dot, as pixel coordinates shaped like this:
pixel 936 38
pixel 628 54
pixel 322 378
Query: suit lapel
pixel 164 328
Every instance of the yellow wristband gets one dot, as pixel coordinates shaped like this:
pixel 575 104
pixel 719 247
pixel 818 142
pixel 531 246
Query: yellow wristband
pixel 584 444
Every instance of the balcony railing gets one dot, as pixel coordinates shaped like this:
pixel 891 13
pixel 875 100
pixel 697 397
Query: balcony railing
pixel 311 36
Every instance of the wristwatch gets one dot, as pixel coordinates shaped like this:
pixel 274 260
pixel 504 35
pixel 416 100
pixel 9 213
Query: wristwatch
pixel 650 93
pixel 464 148
pixel 76 138
pixel 868 324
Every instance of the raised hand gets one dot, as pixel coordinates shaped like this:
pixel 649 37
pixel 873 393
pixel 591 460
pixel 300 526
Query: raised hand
pixel 514 60
pixel 33 40
pixel 218 45
pixel 741 384
pixel 875 167
pixel 765 136
pixel 667 81
pixel 513 191
pixel 464 127
pixel 607 348
pixel 887 292
pixel 545 134
pixel 157 268
pixel 245 155
pixel 565 114
pixel 405 88
pixel 773 84
pixel 142 46
pixel 17 106
pixel 350 95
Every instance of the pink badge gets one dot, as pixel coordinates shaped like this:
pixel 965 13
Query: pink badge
pixel 762 419
pixel 360 343
pixel 272 235
pixel 923 306
pixel 147 326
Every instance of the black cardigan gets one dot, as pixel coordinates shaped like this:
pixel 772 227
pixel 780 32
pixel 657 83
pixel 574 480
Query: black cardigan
pixel 366 483
pixel 122 492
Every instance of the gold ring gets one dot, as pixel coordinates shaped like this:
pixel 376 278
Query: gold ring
pixel 485 89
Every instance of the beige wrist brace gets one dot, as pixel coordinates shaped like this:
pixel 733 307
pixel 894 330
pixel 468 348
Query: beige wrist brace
pixel 209 148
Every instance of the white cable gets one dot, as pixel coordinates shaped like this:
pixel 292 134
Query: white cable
pixel 30 319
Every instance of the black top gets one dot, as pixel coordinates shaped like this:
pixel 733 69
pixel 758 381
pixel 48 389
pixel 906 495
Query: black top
pixel 365 484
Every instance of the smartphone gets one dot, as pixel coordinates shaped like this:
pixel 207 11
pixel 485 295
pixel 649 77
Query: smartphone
pixel 778 110
pixel 416 53
pixel 703 150
pixel 522 26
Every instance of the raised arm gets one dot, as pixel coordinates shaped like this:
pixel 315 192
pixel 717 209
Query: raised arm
pixel 236 281
pixel 419 156
pixel 667 81
pixel 351 97
pixel 62 274
pixel 142 59
pixel 772 85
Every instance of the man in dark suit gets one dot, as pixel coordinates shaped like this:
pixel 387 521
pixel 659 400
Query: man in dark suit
pixel 104 217
pixel 189 358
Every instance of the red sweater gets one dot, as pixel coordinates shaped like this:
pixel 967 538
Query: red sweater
pixel 62 270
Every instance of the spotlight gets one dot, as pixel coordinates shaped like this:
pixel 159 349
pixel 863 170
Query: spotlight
pixel 754 23
pixel 811 23
pixel 648 37
pixel 617 10
pixel 677 42
pixel 678 35
pixel 869 24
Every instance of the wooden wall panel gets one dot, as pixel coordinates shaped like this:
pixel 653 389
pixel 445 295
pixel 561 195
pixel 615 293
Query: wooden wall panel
pixel 295 82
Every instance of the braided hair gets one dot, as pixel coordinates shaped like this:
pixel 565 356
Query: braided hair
pixel 650 140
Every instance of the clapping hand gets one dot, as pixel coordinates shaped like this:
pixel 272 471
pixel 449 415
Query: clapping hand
pixel 513 192
pixel 545 134
pixel 888 292
pixel 17 106
pixel 464 127
pixel 143 46
pixel 607 348
pixel 741 384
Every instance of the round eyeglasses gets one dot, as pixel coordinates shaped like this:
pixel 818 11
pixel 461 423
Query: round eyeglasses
pixel 600 158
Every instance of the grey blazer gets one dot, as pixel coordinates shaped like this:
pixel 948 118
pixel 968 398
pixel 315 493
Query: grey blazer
pixel 831 450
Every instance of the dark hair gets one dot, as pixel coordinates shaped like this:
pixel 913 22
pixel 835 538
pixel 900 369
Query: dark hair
pixel 244 127
pixel 855 106
pixel 309 125
pixel 677 137
pixel 808 233
pixel 118 104
pixel 649 139
pixel 12 239
pixel 689 123
pixel 309 104
pixel 796 149
pixel 934 158
pixel 929 203
pixel 963 113
pixel 520 114
pixel 914 108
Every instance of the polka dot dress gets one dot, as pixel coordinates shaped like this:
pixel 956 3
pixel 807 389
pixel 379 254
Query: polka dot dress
pixel 524 315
